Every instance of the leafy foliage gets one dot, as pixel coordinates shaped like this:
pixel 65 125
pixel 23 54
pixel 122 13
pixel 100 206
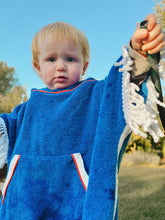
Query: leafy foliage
pixel 16 96
pixel 11 94
pixel 7 76
pixel 160 12
pixel 143 144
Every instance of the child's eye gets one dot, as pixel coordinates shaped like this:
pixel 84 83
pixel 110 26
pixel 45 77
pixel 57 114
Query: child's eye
pixel 51 59
pixel 70 59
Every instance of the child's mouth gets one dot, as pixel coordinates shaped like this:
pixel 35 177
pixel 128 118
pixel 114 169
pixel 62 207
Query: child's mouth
pixel 61 79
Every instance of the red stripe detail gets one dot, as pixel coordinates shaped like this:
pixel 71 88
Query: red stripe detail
pixel 36 90
pixel 79 172
pixel 10 178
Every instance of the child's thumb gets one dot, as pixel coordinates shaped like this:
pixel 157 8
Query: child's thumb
pixel 138 37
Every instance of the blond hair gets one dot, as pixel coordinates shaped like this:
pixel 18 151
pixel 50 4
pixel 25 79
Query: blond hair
pixel 60 30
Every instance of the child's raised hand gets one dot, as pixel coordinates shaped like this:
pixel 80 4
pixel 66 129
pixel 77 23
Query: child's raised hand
pixel 150 39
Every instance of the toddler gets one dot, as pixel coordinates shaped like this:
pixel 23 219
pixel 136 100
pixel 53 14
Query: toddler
pixel 64 145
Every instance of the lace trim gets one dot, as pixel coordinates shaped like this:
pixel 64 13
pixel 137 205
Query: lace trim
pixel 140 116
pixel 161 64
pixel 3 143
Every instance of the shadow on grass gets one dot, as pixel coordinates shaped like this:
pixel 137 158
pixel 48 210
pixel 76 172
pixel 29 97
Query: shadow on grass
pixel 142 193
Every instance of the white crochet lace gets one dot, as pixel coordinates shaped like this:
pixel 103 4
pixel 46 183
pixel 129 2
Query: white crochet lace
pixel 162 65
pixel 3 143
pixel 140 116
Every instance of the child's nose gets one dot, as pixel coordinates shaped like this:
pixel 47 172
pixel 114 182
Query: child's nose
pixel 61 66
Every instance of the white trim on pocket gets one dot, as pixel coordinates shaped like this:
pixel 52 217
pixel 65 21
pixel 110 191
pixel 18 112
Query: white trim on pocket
pixel 81 169
pixel 12 167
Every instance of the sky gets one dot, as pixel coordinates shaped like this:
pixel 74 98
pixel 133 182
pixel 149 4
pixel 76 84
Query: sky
pixel 107 24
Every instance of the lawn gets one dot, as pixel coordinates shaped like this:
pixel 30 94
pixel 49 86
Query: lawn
pixel 142 193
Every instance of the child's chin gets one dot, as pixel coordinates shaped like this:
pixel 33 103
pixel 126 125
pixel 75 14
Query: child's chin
pixel 59 86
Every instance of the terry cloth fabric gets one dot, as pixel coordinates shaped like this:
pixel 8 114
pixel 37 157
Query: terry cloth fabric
pixel 64 151
pixel 59 139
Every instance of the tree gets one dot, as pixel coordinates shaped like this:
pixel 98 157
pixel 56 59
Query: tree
pixel 11 94
pixel 160 12
pixel 14 97
pixel 7 78
pixel 139 143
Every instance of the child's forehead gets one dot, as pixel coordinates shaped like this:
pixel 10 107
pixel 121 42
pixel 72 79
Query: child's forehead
pixel 58 37
pixel 51 45
pixel 51 41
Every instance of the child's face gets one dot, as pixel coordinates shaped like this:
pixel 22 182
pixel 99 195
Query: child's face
pixel 60 63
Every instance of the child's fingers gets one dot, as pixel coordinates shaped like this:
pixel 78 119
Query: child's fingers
pixel 138 37
pixel 151 21
pixel 153 34
pixel 150 39
pixel 156 43
pixel 157 48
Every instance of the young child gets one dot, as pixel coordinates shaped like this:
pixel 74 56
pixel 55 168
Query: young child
pixel 64 145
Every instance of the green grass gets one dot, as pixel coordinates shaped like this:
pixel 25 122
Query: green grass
pixel 142 193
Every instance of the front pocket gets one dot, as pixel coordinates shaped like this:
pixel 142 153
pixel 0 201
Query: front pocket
pixel 12 168
pixel 81 169
pixel 45 186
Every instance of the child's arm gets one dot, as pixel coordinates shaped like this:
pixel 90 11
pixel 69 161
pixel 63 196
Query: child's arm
pixel 150 39
pixel 140 112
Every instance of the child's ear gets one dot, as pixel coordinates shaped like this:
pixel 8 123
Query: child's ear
pixel 37 69
pixel 36 66
pixel 85 68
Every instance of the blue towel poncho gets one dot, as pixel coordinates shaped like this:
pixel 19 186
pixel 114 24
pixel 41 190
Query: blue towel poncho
pixel 64 152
